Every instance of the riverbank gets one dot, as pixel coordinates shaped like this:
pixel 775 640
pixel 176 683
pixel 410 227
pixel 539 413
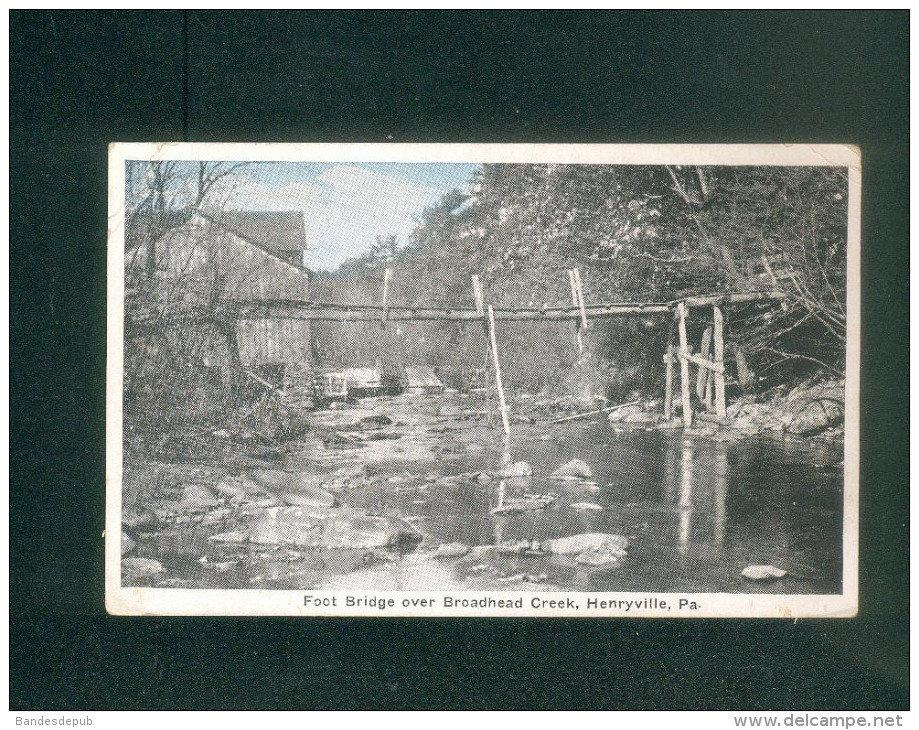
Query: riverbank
pixel 810 409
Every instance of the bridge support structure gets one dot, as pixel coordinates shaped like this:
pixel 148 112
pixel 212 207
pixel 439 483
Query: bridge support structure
pixel 710 380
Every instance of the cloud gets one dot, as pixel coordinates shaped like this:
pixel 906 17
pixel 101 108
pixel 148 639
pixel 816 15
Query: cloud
pixel 345 207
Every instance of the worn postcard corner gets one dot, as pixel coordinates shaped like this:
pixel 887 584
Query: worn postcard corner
pixel 483 380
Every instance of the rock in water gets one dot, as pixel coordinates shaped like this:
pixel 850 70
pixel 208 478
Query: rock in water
pixel 302 489
pixel 141 567
pixel 127 544
pixel 575 468
pixel 451 550
pixel 763 572
pixel 576 544
pixel 590 506
pixel 603 555
pixel 525 504
pixel 371 422
pixel 341 527
pixel 517 469
pixel 196 498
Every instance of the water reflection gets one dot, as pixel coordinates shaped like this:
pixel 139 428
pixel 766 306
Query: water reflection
pixel 686 485
pixel 696 481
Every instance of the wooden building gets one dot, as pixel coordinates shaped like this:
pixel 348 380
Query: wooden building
pixel 231 257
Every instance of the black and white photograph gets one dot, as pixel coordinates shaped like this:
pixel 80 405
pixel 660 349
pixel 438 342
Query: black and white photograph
pixel 498 380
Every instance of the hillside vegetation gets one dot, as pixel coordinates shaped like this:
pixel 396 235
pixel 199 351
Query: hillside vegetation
pixel 636 234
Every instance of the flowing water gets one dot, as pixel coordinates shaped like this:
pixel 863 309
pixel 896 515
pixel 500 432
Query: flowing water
pixel 696 511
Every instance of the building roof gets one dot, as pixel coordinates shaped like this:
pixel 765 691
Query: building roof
pixel 275 231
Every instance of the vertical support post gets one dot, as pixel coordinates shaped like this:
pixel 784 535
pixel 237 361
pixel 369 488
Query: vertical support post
pixel 669 360
pixel 668 383
pixel 720 404
pixel 479 297
pixel 684 365
pixel 387 275
pixel 580 287
pixel 494 353
pixel 705 352
pixel 709 391
pixel 575 301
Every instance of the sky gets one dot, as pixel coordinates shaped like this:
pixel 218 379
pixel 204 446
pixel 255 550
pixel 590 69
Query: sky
pixel 347 205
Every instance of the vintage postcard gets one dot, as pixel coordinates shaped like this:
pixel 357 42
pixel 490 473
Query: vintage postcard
pixel 483 380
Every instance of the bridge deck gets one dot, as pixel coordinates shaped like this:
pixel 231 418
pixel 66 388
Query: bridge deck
pixel 291 309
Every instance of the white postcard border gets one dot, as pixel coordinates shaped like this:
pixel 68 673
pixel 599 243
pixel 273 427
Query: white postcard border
pixel 133 601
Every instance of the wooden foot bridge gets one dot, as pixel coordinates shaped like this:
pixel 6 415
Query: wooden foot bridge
pixel 709 361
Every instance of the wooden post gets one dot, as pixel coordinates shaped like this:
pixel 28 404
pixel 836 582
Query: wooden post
pixel 479 298
pixel 704 351
pixel 684 365
pixel 387 275
pixel 720 404
pixel 494 352
pixel 580 287
pixel 709 391
pixel 574 300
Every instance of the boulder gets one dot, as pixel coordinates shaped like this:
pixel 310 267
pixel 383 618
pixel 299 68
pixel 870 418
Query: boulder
pixel 127 544
pixel 450 410
pixel 763 572
pixel 237 487
pixel 196 498
pixel 517 469
pixel 451 550
pixel 332 528
pixel 301 489
pixel 520 547
pixel 141 567
pixel 577 544
pixel 573 469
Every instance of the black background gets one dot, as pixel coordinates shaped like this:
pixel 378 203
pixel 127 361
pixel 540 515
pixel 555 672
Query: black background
pixel 82 80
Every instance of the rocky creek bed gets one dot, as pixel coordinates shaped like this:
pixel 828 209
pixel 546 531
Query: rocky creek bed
pixel 420 492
